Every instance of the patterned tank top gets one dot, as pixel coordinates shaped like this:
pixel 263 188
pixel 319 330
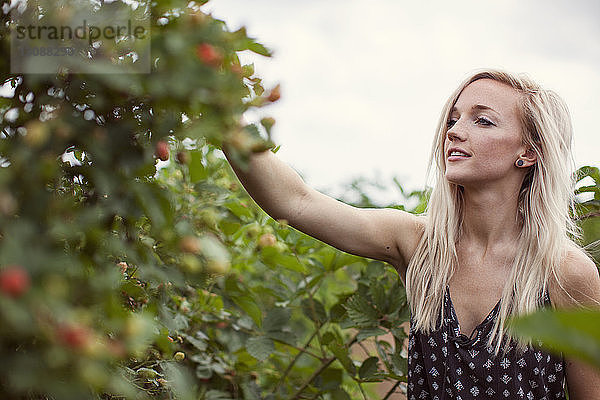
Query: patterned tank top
pixel 449 365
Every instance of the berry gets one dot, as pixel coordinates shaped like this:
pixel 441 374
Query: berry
pixel 190 263
pixel 14 281
pixel 267 240
pixel 237 69
pixel 209 55
pixel 218 266
pixel 74 335
pixel 179 356
pixel 182 157
pixel 123 266
pixel 190 244
pixel 162 150
pixel 275 94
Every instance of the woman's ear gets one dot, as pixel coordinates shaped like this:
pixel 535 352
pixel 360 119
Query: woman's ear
pixel 527 158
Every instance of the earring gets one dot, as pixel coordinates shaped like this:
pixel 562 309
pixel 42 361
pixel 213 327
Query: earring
pixel 520 163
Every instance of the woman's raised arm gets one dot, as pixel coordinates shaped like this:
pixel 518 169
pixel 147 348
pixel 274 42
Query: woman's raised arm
pixel 384 234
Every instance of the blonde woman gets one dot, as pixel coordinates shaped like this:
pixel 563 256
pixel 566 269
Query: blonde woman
pixel 496 240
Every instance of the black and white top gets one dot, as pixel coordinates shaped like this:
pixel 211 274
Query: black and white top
pixel 448 365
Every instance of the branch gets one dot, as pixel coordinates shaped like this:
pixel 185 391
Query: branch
pixel 289 368
pixel 391 391
pixel 321 368
pixel 588 215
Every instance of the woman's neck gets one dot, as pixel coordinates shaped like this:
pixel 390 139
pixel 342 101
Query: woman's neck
pixel 490 217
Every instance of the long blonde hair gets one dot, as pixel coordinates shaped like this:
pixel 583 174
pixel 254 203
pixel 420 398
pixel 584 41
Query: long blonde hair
pixel 546 203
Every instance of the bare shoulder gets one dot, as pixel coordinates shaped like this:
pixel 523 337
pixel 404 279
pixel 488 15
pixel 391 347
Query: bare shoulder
pixel 409 229
pixel 579 281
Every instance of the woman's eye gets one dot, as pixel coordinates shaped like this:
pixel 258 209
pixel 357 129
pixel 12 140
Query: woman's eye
pixel 450 123
pixel 483 121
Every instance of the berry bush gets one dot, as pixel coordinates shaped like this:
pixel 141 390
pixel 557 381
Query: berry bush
pixel 133 265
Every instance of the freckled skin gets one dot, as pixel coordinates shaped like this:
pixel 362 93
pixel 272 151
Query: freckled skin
pixel 494 147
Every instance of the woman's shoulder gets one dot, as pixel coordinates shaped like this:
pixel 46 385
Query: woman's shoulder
pixel 578 280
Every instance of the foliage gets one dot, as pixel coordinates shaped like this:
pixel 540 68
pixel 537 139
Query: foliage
pixel 123 280
pixel 133 265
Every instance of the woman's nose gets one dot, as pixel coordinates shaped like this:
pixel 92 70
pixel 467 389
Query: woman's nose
pixel 455 133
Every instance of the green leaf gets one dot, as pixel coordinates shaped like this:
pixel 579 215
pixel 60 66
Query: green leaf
pixel 361 312
pixel 276 319
pixel 400 364
pixel 575 333
pixel 197 170
pixel 341 353
pixel 330 378
pixel 339 394
pixel 369 368
pixel 314 310
pixel 369 332
pixel 248 304
pixel 379 296
pixel 197 343
pixel 258 48
pixel 260 347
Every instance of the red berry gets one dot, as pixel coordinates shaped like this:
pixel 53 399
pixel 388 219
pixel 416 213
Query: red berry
pixel 209 55
pixel 14 281
pixel 74 336
pixel 162 150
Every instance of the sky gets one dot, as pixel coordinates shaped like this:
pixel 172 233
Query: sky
pixel 363 82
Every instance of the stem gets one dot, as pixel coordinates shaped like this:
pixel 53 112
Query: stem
pixel 361 390
pixel 391 391
pixel 324 365
pixel 321 368
pixel 362 346
pixel 300 349
pixel 289 368
pixel 588 215
pixel 316 321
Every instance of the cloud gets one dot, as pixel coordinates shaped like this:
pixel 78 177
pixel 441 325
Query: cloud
pixel 363 83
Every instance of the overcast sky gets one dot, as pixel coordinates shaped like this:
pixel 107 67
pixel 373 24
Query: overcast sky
pixel 363 82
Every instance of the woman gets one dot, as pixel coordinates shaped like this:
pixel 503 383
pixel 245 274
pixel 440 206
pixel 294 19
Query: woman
pixel 496 236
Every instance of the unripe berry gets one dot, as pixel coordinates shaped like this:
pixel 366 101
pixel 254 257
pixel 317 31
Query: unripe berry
pixel 190 244
pixel 267 240
pixel 14 281
pixel 237 69
pixel 179 356
pixel 218 266
pixel 275 94
pixel 182 157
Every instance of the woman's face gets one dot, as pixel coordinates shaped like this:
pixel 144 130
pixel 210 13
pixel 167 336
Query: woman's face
pixel 484 124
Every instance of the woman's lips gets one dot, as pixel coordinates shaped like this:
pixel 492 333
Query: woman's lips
pixel 457 158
